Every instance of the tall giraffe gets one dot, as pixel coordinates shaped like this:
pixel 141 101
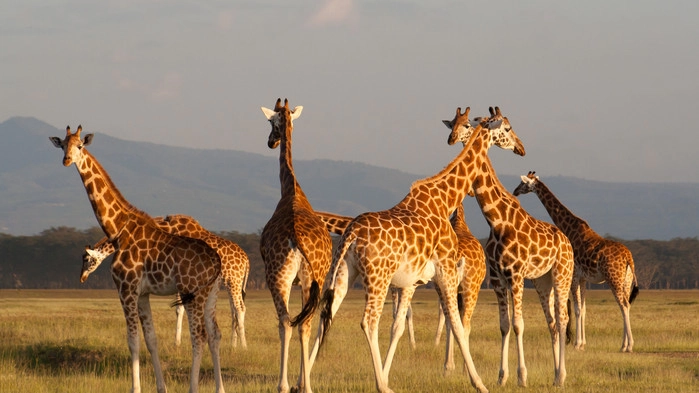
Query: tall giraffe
pixel 148 261
pixel 235 267
pixel 597 260
pixel 407 246
pixel 521 247
pixel 294 244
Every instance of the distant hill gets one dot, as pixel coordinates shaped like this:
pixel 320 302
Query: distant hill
pixel 229 190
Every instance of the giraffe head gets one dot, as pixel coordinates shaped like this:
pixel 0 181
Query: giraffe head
pixel 501 132
pixel 527 185
pixel 281 118
pixel 72 145
pixel 91 260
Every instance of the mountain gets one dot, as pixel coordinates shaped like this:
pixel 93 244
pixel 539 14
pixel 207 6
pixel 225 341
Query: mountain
pixel 229 190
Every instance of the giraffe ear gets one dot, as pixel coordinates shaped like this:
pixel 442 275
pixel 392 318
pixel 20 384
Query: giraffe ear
pixel 88 139
pixel 447 123
pixel 269 114
pixel 56 141
pixel 92 253
pixel 525 179
pixel 296 112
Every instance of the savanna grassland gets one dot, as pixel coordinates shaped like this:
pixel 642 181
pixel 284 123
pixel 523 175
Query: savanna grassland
pixel 75 341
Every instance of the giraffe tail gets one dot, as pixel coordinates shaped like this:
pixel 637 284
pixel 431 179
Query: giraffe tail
pixel 181 299
pixel 326 314
pixel 245 282
pixel 310 307
pixel 634 290
pixel 569 325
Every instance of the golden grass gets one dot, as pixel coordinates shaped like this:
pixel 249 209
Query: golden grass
pixel 58 341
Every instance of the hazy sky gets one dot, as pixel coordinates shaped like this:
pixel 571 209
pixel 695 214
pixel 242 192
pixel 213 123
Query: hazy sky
pixel 597 89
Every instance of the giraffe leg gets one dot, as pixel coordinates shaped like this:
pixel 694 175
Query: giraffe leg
pixel 447 297
pixel 304 381
pixel 470 298
pixel 411 327
pixel 375 297
pixel 345 276
pixel 235 299
pixel 583 316
pixel 197 330
pixel 440 326
pixel 449 363
pixel 281 300
pixel 405 295
pixel 622 300
pixel 213 334
pixel 130 307
pixel 518 328
pixel 144 314
pixel 179 312
pixel 578 299
pixel 561 292
pixel 501 293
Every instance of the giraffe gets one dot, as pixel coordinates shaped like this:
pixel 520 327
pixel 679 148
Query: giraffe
pixel 471 257
pixel 406 246
pixel 521 247
pixel 294 245
pixel 235 267
pixel 336 225
pixel 597 260
pixel 148 261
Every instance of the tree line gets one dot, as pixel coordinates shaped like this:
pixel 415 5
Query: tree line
pixel 53 260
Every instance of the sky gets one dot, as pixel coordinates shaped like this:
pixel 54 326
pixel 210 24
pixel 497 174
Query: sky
pixel 596 89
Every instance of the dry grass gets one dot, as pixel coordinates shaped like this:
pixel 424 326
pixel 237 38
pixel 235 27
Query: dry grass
pixel 57 341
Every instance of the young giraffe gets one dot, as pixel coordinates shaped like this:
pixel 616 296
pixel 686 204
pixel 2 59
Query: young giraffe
pixel 596 260
pixel 294 244
pixel 521 247
pixel 235 267
pixel 148 261
pixel 471 256
pixel 406 246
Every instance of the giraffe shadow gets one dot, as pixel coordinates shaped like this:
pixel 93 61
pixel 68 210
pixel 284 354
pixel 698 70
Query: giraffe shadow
pixel 68 358
pixel 230 375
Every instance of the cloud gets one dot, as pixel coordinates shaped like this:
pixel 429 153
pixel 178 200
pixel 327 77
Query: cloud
pixel 334 12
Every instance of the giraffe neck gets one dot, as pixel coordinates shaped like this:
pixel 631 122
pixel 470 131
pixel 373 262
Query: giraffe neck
pixel 443 192
pixel 458 219
pixel 561 215
pixel 287 177
pixel 497 204
pixel 111 209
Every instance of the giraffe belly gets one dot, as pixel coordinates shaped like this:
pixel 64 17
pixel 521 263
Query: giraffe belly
pixel 408 276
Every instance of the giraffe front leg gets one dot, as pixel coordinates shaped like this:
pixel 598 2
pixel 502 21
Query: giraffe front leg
pixel 455 332
pixel 518 328
pixel 144 313
pixel 197 331
pixel 575 292
pixel 130 307
pixel 500 288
